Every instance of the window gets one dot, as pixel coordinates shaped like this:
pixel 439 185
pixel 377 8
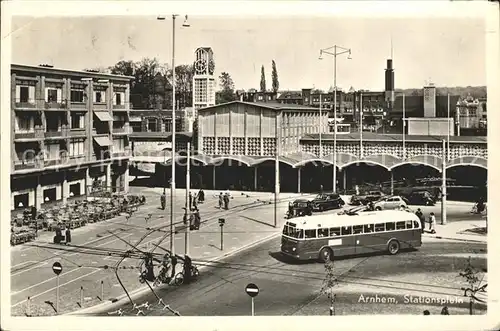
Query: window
pixel 75 189
pixel 118 99
pixel 368 228
pixel 118 145
pixel 390 226
pixel 77 96
pixel 23 94
pixel 322 233
pixel 24 123
pixel 53 122
pixel 357 229
pixel 51 95
pixel 310 234
pixel 346 230
pixel 260 97
pixel 400 225
pixel 77 121
pixel 100 96
pixel 334 232
pixel 409 224
pixel 379 227
pixel 21 200
pixel 415 225
pixel 52 151
pixel 76 147
pixel 152 125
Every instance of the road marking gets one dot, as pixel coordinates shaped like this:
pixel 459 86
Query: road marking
pixel 22 263
pixel 52 289
pixel 45 281
pixel 72 254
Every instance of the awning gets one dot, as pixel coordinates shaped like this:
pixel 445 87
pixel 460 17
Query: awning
pixel 103 116
pixel 135 119
pixel 103 141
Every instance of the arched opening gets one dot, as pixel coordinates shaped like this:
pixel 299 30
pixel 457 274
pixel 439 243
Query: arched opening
pixel 265 172
pixel 315 175
pixel 365 175
pixel 470 182
pixel 414 176
pixel 231 174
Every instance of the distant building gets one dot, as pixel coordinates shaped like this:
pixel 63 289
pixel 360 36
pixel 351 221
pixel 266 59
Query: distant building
pixel 148 120
pixel 471 113
pixel 252 95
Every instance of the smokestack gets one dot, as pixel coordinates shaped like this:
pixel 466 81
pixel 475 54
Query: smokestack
pixel 389 85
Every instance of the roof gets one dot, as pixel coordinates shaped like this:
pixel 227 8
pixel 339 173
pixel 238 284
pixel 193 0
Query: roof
pixel 268 105
pixel 290 94
pixel 332 220
pixel 370 136
pixel 60 71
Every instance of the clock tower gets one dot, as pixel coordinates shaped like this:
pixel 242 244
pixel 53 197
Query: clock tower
pixel 203 79
pixel 430 100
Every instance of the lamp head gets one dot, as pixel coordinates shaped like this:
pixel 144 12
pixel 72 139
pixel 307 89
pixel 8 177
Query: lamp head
pixel 186 24
pixel 161 18
pixel 320 55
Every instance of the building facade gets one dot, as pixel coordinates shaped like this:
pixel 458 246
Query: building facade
pixel 68 129
pixel 471 113
pixel 146 120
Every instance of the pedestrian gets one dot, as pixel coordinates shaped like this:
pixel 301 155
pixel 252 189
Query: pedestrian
pixel 432 223
pixel 290 209
pixel 68 236
pixel 421 217
pixel 190 197
pixel 174 263
pixel 445 311
pixel 201 196
pixel 163 200
pixel 187 268
pixel 197 219
pixel 226 201
pixel 195 202
pixel 221 200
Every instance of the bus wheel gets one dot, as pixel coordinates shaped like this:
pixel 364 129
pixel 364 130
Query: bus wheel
pixel 393 247
pixel 326 254
pixel 378 208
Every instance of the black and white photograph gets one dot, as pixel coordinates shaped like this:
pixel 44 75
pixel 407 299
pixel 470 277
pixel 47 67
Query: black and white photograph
pixel 250 160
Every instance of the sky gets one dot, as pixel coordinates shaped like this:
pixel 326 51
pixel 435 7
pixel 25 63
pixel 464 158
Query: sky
pixel 444 51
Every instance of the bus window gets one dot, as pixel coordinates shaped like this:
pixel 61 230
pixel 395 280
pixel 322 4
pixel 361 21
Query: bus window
pixel 357 229
pixel 400 225
pixel 346 230
pixel 380 227
pixel 334 232
pixel 389 226
pixel 368 228
pixel 415 225
pixel 409 224
pixel 310 234
pixel 322 233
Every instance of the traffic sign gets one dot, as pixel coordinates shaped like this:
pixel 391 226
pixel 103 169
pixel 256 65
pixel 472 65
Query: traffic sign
pixel 57 268
pixel 252 290
pixel 222 221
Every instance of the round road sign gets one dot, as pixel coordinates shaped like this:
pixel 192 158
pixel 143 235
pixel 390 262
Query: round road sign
pixel 252 290
pixel 57 268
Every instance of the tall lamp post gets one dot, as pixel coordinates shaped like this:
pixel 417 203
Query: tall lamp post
pixel 172 185
pixel 334 51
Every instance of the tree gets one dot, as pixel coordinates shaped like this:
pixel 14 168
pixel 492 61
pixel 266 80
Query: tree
pixel 126 68
pixel 183 84
pixel 262 80
pixel 226 93
pixel 276 83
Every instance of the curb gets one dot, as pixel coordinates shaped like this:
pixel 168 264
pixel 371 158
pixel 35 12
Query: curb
pixel 138 292
pixel 458 239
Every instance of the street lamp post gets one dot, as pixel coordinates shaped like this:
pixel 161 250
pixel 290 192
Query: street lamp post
pixel 172 185
pixel 337 50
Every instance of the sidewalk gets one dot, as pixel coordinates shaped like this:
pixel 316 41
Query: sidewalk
pixel 457 231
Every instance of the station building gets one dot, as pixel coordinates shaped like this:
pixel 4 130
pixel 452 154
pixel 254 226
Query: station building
pixel 68 128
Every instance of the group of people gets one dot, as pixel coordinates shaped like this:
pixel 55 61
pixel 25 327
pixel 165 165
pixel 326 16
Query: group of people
pixel 59 238
pixel 194 199
pixel 224 200
pixel 168 268
pixel 432 220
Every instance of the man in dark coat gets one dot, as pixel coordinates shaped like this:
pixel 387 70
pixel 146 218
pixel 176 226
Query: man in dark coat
pixel 221 200
pixel 226 201
pixel 68 236
pixel 163 200
pixel 201 196
pixel 421 217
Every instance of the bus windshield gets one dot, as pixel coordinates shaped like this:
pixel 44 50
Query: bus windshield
pixel 293 232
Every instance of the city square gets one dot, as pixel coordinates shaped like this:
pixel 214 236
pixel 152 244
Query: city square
pixel 160 179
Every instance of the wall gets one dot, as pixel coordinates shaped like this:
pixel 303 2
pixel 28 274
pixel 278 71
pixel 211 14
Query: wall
pixel 430 126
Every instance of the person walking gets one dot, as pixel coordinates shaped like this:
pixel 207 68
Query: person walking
pixel 195 202
pixel 432 221
pixel 68 236
pixel 221 200
pixel 190 200
pixel 226 201
pixel 421 217
pixel 163 200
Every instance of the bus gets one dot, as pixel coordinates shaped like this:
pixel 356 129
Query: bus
pixel 326 236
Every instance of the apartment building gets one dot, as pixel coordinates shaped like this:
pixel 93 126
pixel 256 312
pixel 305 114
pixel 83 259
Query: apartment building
pixel 68 128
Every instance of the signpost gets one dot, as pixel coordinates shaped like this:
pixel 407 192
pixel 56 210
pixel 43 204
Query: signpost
pixel 252 290
pixel 57 268
pixel 221 224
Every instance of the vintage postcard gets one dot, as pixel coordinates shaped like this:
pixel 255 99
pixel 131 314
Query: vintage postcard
pixel 249 165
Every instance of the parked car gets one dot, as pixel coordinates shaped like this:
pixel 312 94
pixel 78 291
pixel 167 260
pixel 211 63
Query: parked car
pixel 299 207
pixel 421 198
pixel 325 201
pixel 364 199
pixel 391 202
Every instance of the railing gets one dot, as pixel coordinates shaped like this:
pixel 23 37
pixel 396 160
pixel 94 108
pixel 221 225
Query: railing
pixel 100 106
pixel 78 105
pixel 119 107
pixel 23 165
pixel 79 132
pixel 25 104
pixel 25 135
pixel 54 134
pixel 55 105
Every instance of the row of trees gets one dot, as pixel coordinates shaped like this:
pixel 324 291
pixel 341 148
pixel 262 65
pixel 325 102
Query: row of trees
pixel 274 77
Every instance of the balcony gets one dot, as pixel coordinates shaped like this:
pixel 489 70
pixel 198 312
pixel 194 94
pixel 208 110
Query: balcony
pixel 25 104
pixel 100 106
pixel 78 132
pixel 54 105
pixel 25 135
pixel 77 159
pixel 27 164
pixel 78 106
pixel 119 107
pixel 55 134
pixel 122 130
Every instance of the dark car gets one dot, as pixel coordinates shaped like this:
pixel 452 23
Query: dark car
pixel 366 198
pixel 325 201
pixel 421 198
pixel 300 207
